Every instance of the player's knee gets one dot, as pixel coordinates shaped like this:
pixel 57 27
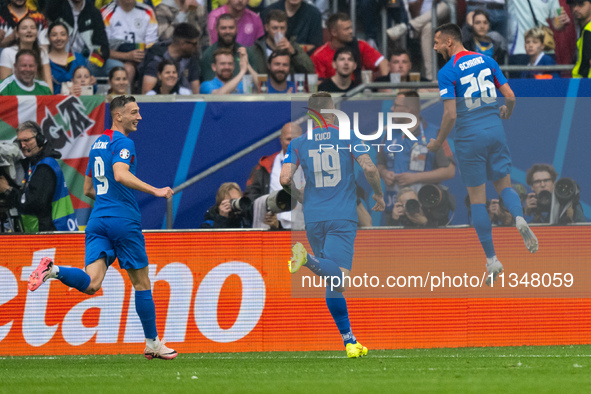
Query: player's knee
pixel 92 288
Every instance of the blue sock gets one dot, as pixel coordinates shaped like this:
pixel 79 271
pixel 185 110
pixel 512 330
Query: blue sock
pixel 146 310
pixel 74 277
pixel 337 305
pixel 512 202
pixel 324 267
pixel 483 228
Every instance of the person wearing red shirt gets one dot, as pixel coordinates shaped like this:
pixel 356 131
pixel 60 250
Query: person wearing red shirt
pixel 341 35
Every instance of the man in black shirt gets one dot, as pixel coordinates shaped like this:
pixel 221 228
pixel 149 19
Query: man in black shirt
pixel 344 64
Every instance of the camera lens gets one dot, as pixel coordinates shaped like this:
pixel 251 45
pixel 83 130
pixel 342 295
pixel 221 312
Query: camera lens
pixel 565 189
pixel 544 200
pixel 429 196
pixel 412 206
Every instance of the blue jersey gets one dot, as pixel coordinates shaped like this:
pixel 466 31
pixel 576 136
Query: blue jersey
pixel 112 198
pixel 330 192
pixel 472 78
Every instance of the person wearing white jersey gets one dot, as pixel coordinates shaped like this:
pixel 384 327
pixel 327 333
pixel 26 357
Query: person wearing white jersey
pixel 131 28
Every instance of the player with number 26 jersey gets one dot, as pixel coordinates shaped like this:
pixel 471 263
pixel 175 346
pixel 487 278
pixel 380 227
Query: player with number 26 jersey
pixel 112 198
pixel 472 79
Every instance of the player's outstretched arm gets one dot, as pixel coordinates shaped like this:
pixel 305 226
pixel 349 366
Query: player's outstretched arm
pixel 507 109
pixel 286 180
pixel 448 120
pixel 127 179
pixel 373 178
pixel 89 188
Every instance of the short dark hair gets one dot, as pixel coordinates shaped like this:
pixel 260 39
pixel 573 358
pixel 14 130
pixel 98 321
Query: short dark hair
pixel 480 11
pixel 451 29
pixel 399 52
pixel 342 50
pixel 529 177
pixel 224 17
pixel 23 52
pixel 80 67
pixel 409 93
pixel 167 62
pixel 184 31
pixel 276 15
pixel 335 18
pixel 120 102
pixel 277 53
pixel 114 70
pixel 320 100
pixel 220 51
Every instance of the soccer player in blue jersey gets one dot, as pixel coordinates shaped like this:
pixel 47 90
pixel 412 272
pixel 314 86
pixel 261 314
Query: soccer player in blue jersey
pixel 467 84
pixel 114 229
pixel 330 208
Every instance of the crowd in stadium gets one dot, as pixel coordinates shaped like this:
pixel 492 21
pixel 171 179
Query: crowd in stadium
pixel 195 46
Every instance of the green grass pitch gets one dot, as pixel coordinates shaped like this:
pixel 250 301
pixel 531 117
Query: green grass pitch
pixel 528 369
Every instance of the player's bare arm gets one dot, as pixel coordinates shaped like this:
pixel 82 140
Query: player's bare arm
pixel 286 180
pixel 447 123
pixel 89 188
pixel 127 179
pixel 373 177
pixel 506 110
pixel 437 175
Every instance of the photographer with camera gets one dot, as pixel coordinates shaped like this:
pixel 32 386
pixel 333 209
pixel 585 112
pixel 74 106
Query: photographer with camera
pixel 231 209
pixel 551 201
pixel 414 166
pixel 407 210
pixel 44 201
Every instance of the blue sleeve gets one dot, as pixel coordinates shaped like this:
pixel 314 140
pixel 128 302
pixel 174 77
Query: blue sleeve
pixel 498 77
pixel 88 170
pixel 291 156
pixel 206 88
pixel 356 148
pixel 446 83
pixel 124 151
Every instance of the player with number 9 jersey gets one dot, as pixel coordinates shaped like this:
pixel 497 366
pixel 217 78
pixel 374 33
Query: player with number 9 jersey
pixel 112 198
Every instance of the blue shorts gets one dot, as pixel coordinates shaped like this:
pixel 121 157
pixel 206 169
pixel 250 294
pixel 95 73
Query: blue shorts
pixel 114 237
pixel 333 240
pixel 484 157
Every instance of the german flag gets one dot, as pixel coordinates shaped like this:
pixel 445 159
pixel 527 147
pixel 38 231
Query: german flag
pixel 97 59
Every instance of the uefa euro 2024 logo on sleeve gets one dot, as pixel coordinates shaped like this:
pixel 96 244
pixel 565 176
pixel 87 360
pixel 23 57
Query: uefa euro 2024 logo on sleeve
pixel 394 121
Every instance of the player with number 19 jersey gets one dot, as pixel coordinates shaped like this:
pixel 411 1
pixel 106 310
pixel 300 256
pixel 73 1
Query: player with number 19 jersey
pixel 112 198
pixel 330 192
pixel 472 79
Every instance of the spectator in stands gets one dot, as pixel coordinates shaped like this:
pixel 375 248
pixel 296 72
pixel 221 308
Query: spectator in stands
pixel 169 13
pixel 479 38
pixel 62 63
pixel 82 83
pixel 26 38
pixel 118 82
pixel 223 67
pixel 497 213
pixel 304 22
pixel 275 39
pixel 131 28
pixel 369 17
pixel 23 81
pixel 400 63
pixel 11 13
pixel 183 50
pixel 420 26
pixel 341 35
pixel 168 80
pixel 226 31
pixel 221 215
pixel 278 69
pixel 414 166
pixel 248 24
pixel 534 47
pixel 44 201
pixel 344 65
pixel 582 12
pixel 496 11
pixel 541 178
pixel 264 179
pixel 87 33
pixel 521 20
